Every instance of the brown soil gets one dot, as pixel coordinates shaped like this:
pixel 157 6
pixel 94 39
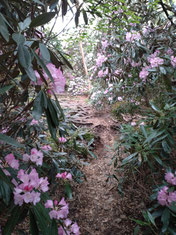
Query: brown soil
pixel 97 206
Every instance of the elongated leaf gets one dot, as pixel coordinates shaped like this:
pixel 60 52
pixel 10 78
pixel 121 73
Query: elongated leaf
pixel 3 29
pixel 5 88
pixel 39 2
pixel 129 158
pixel 23 25
pixel 13 220
pixel 38 106
pixel 31 74
pixel 6 179
pixel 68 191
pixel 44 51
pixel 155 108
pixel 150 218
pixel 33 225
pixel 24 56
pixel 42 64
pixel 5 192
pixel 18 38
pixel 165 219
pixel 53 228
pixel 65 60
pixel 64 7
pixel 51 126
pixel 85 17
pixel 53 113
pixel 92 154
pixel 42 19
pixel 8 140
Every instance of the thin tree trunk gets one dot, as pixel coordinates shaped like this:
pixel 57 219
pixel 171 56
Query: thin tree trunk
pixel 82 52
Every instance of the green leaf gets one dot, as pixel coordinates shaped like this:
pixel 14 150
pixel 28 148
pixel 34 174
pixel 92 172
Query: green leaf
pixel 162 70
pixel 85 17
pixel 53 228
pixel 38 106
pixel 13 220
pixel 5 88
pixel 53 113
pixel 3 29
pixel 51 126
pixel 33 225
pixel 39 2
pixel 165 219
pixel 42 19
pixel 65 60
pixel 159 160
pixel 92 154
pixel 23 25
pixel 150 218
pixel 44 51
pixel 154 107
pixel 31 74
pixel 24 56
pixel 6 179
pixel 8 140
pixel 68 191
pixel 18 38
pixel 136 230
pixel 5 192
pixel 64 7
pixel 42 64
pixel 129 158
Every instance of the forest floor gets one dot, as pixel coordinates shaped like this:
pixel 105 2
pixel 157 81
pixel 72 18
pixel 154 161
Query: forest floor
pixel 97 206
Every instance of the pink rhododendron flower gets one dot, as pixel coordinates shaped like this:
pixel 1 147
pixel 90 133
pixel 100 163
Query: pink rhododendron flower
pixel 34 122
pixel 36 156
pixel 64 175
pixel 46 147
pixel 10 159
pixel 100 74
pixel 26 190
pixel 75 229
pixel 169 177
pixel 170 51
pixel 104 44
pixel 119 98
pixel 26 157
pixel 100 60
pixel 173 61
pixel 106 91
pixel 133 123
pixel 156 61
pixel 62 140
pixel 144 73
pixel 53 214
pixel 49 204
pixel 162 196
pixel 171 197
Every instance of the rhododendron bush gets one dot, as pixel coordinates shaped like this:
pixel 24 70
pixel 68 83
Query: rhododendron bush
pixel 33 164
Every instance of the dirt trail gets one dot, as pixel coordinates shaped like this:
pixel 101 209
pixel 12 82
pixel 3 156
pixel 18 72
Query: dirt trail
pixel 97 206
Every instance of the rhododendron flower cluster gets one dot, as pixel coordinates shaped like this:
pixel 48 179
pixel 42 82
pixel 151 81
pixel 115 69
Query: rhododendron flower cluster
pixel 10 159
pixel 34 122
pixel 100 60
pixel 173 61
pixel 29 189
pixel 130 37
pixel 59 80
pixel 62 140
pixel 165 196
pixel 36 157
pixel 60 211
pixel 64 175
pixel 46 147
